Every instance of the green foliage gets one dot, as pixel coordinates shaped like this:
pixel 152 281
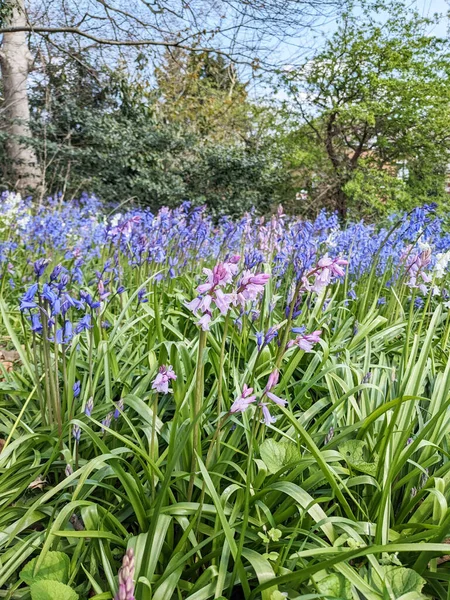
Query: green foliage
pixel 6 11
pixel 52 590
pixel 202 93
pixel 380 192
pixel 277 455
pixel 335 586
pixel 192 136
pixel 374 102
pixel 55 566
pixel 400 581
pixel 353 453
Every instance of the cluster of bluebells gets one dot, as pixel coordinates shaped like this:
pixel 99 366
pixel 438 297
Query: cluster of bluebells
pixel 247 397
pixel 58 307
pixel 164 376
pixel 240 290
pixel 315 280
pixel 416 264
pixel 173 237
pixel 307 253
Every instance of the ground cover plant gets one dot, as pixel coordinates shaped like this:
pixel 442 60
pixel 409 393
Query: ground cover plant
pixel 253 408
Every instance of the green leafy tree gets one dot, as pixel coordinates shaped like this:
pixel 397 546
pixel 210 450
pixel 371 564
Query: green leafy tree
pixel 373 106
pixel 121 137
pixel 203 93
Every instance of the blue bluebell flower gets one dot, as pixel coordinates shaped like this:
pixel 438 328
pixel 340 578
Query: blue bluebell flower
pixel 27 301
pixel 76 389
pixel 76 433
pixel 119 409
pixel 259 339
pixel 48 294
pixel 418 302
pixel 36 323
pixel 56 272
pixel 89 407
pixel 40 266
pixel 299 330
pixel 86 297
pixel 84 324
pixel 141 296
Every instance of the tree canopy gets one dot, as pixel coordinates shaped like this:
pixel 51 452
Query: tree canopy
pixel 362 124
pixel 372 111
pixel 194 135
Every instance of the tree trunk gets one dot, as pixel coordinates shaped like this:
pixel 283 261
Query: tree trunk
pixel 15 60
pixel 341 203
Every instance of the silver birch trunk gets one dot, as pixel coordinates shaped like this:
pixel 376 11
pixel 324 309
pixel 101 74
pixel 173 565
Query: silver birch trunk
pixel 15 61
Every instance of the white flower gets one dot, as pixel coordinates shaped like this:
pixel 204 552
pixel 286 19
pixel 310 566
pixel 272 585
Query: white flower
pixel 423 245
pixel 10 208
pixel 443 258
pixel 116 219
pixel 23 221
pixel 332 238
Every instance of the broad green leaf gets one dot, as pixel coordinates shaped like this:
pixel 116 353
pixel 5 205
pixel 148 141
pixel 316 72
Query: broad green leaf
pixel 55 567
pixel 403 581
pixel 277 455
pixel 399 581
pixel 52 590
pixel 335 586
pixel 353 453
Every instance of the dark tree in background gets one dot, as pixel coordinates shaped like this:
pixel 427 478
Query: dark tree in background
pixel 191 135
pixel 244 32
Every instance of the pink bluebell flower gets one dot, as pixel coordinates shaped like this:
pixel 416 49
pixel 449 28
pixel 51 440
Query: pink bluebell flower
pixel 276 399
pixel 326 269
pixel 305 342
pixel 126 575
pixel 161 381
pixel 220 275
pixel 244 400
pixel 204 321
pixel 251 286
pixel 415 268
pixel 273 379
pixel 268 419
pixel 223 301
pixel 200 304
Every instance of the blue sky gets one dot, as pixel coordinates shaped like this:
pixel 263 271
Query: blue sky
pixel 426 8
pixel 429 7
pixel 312 39
pixel 296 50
